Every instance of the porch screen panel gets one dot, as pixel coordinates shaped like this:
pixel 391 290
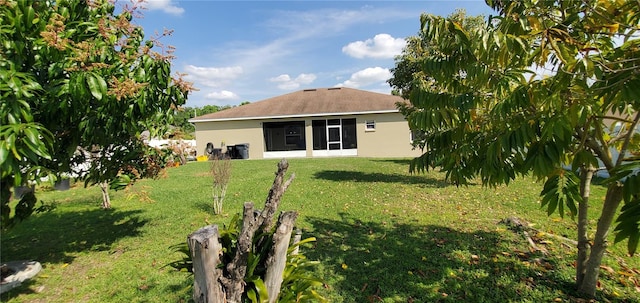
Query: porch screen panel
pixel 334 134
pixel 349 139
pixel 319 134
pixel 284 136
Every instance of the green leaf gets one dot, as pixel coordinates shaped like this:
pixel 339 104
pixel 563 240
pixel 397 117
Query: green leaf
pixel 628 224
pixel 632 245
pixel 11 142
pixel 120 182
pixel 252 295
pixel 258 292
pixel 561 190
pixel 262 290
pixel 95 85
pixel 30 15
pixel 32 135
pixel 4 152
pixel 631 187
pixel 584 157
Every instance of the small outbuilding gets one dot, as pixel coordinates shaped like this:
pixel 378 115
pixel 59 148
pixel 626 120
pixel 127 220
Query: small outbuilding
pixel 321 122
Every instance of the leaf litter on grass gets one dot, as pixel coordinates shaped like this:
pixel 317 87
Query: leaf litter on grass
pixel 396 237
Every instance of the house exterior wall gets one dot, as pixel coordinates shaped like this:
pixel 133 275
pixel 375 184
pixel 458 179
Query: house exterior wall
pixel 391 137
pixel 231 133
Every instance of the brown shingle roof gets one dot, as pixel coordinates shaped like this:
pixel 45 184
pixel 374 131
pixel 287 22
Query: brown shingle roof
pixel 309 102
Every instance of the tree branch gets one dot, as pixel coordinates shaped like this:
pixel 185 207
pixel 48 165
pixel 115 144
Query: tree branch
pixel 625 144
pixel 275 194
pixel 603 155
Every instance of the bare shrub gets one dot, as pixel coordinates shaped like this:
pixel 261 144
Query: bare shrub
pixel 220 173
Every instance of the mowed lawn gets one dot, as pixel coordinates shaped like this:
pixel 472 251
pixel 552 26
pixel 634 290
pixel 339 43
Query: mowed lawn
pixel 383 235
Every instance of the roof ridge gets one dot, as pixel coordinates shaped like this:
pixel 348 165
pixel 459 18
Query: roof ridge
pixel 323 101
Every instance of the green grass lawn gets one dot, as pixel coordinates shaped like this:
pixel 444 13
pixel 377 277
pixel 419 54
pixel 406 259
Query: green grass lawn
pixel 383 235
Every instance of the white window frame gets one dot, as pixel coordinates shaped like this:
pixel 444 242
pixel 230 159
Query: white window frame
pixel 370 125
pixel 339 127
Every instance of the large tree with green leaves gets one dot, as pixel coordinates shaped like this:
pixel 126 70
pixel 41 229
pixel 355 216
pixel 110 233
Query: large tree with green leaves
pixel 78 80
pixel 408 64
pixel 488 111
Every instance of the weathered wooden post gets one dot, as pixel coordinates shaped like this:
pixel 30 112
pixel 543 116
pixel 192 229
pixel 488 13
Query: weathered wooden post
pixel 278 255
pixel 205 253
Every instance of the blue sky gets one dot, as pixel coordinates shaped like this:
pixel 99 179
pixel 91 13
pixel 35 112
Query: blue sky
pixel 237 51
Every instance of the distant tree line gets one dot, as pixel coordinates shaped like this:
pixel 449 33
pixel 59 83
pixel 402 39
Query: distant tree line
pixel 182 116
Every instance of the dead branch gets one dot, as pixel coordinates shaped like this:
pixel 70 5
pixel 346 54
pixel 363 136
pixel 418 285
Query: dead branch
pixel 274 196
pixel 519 225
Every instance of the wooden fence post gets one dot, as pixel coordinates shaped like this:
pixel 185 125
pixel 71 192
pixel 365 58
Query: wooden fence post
pixel 205 253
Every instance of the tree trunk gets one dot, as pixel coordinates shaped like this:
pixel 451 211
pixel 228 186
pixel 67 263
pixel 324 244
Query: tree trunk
pixel 219 192
pixel 592 269
pixel 232 282
pixel 205 252
pixel 586 174
pixel 106 200
pixel 278 255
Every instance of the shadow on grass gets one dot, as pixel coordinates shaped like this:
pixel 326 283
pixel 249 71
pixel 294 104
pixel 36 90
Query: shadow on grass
pixel 184 288
pixel 375 262
pixel 205 206
pixel 26 287
pixel 54 237
pixel 358 176
pixel 402 161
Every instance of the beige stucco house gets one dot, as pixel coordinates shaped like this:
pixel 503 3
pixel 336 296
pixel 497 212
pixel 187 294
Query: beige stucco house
pixel 321 122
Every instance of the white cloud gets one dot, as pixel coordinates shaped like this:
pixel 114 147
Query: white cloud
pixel 222 95
pixel 211 80
pixel 281 78
pixel 298 31
pixel 381 46
pixel 212 76
pixel 305 78
pixel 167 6
pixel 367 76
pixel 285 82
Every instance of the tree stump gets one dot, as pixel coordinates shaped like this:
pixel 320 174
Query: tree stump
pixel 205 253
pixel 212 284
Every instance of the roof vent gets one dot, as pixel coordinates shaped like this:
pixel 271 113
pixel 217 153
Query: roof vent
pixel 310 90
pixel 334 88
